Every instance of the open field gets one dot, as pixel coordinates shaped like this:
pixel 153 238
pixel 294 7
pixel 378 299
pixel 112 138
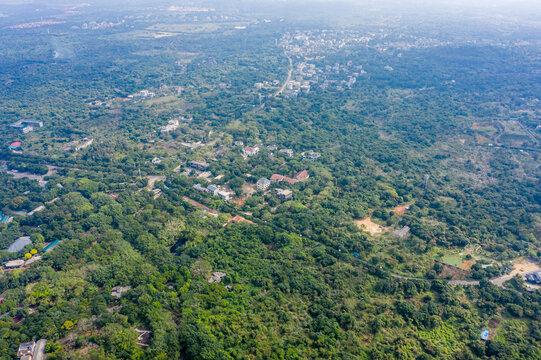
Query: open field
pixel 487 130
pixel 368 225
pixel 453 260
pixel 521 266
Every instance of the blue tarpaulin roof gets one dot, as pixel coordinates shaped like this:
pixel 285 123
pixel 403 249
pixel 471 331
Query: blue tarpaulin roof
pixel 50 246
pixel 484 334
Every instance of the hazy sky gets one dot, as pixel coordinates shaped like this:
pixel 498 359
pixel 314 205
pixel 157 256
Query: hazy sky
pixel 507 8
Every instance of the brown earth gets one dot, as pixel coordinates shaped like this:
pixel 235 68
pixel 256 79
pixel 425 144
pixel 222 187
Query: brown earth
pixel 401 209
pixel 466 265
pixel 521 266
pixel 493 323
pixel 368 225
pixel 452 272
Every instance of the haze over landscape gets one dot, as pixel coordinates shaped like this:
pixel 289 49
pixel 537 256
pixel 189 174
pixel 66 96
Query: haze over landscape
pixel 264 179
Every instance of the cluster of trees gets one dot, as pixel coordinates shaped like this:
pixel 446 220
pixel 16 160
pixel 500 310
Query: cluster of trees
pixel 304 282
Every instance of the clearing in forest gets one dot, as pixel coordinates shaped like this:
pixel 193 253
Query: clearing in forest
pixel 401 209
pixel 249 189
pixel 367 224
pixel 152 180
pixel 452 260
pixel 521 266
pixel 466 265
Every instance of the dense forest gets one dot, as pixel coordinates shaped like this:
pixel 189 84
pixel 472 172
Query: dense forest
pixel 411 154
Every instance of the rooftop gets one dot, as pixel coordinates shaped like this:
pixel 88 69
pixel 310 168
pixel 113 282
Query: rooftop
pixel 19 244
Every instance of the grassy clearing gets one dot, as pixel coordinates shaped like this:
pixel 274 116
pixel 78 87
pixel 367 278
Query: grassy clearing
pixel 453 260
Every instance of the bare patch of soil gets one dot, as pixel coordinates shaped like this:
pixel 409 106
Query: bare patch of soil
pixel 521 266
pixel 493 323
pixel 368 225
pixel 401 209
pixel 466 265
pixel 249 189
pixel 453 273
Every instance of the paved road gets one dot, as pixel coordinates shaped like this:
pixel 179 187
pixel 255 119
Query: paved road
pixel 288 75
pixel 39 350
pixel 464 282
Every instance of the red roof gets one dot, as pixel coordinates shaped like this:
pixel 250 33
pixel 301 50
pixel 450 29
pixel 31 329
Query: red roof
pixel 239 218
pixel 16 143
pixel 290 180
pixel 277 177
pixel 303 175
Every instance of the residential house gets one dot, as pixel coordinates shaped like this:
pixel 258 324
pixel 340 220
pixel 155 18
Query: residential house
pixel 225 195
pixel 283 194
pixel 199 165
pixel 213 189
pixel 118 290
pixel 86 143
pixel 198 187
pixel 156 160
pixel 15 145
pixel 250 150
pixel 534 277
pixel 279 178
pixel 205 175
pixel 263 184
pixel 312 155
pixel 290 180
pixel 27 125
pixel 171 125
pixel 288 152
pixel 239 143
pixel 303 175
pixel 26 349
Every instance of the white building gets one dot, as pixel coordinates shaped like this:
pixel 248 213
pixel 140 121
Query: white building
pixel 312 155
pixel 283 194
pixel 224 195
pixel 288 152
pixel 250 150
pixel 263 184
